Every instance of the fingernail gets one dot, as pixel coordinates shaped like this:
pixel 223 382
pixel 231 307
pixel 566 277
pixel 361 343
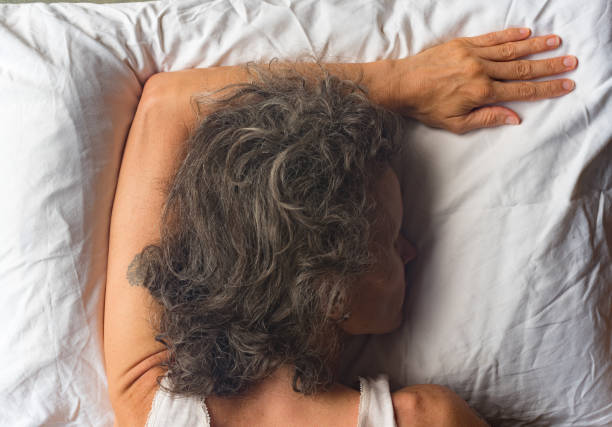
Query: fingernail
pixel 552 41
pixel 569 61
pixel 511 120
pixel 524 31
pixel 568 84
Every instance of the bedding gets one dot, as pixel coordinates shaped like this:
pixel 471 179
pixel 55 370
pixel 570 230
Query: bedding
pixel 511 295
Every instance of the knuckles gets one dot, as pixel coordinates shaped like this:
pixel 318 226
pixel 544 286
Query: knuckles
pixel 551 66
pixel 459 48
pixel 522 70
pixel 490 38
pixel 483 92
pixel 456 126
pixel 473 67
pixel 489 119
pixel 458 43
pixel 527 91
pixel 507 51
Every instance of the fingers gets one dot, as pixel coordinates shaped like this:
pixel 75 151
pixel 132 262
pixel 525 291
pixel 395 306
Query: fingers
pixel 498 37
pixel 485 117
pixel 527 70
pixel 530 91
pixel 512 50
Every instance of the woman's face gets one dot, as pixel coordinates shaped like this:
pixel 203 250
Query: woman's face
pixel 379 295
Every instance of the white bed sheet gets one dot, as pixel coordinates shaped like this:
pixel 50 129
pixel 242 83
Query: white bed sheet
pixel 511 296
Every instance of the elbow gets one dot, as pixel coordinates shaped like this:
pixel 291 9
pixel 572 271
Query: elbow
pixel 155 91
pixel 167 96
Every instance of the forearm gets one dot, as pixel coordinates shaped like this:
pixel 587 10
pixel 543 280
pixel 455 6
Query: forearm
pixel 175 89
pixel 449 86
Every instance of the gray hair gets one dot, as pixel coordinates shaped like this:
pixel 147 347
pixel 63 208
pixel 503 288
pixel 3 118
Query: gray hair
pixel 265 228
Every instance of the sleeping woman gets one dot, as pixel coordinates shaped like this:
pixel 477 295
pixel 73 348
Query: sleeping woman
pixel 252 235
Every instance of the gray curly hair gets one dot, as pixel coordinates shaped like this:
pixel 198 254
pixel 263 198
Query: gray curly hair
pixel 264 230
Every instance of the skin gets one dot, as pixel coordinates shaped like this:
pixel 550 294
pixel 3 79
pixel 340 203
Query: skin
pixel 454 86
pixel 377 305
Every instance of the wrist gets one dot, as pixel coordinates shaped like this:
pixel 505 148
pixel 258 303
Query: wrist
pixel 388 84
pixel 376 77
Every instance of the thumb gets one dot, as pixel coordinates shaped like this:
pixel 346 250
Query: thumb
pixel 487 117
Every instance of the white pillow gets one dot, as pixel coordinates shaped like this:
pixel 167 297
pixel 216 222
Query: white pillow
pixel 70 79
pixel 511 296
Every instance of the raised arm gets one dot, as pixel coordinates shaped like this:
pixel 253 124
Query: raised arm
pixel 418 86
pixel 153 150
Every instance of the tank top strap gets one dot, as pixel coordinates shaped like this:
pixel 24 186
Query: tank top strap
pixel 169 410
pixel 375 404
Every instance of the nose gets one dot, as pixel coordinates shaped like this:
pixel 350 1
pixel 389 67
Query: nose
pixel 407 250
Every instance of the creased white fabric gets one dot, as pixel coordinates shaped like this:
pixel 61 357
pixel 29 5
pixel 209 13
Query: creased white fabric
pixel 168 410
pixel 375 404
pixel 511 294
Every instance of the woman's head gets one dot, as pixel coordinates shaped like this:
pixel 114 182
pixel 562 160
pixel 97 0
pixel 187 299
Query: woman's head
pixel 377 296
pixel 267 232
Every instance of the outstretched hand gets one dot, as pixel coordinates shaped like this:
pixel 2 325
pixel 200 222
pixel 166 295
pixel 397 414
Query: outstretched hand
pixel 452 85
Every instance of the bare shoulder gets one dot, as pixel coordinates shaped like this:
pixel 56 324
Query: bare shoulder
pixel 430 404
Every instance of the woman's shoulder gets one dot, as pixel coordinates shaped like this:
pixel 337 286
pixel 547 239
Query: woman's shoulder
pixel 418 405
pixel 431 404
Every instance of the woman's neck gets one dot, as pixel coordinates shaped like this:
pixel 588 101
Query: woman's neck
pixel 274 401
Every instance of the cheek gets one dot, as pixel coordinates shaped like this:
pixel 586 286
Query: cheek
pixel 392 280
pixel 397 278
pixel 385 286
pixel 396 269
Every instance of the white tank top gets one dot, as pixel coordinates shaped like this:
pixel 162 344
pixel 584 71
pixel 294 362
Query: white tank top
pixel 375 407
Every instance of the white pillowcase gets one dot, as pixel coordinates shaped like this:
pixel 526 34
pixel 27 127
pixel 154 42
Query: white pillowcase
pixel 511 294
pixel 70 79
